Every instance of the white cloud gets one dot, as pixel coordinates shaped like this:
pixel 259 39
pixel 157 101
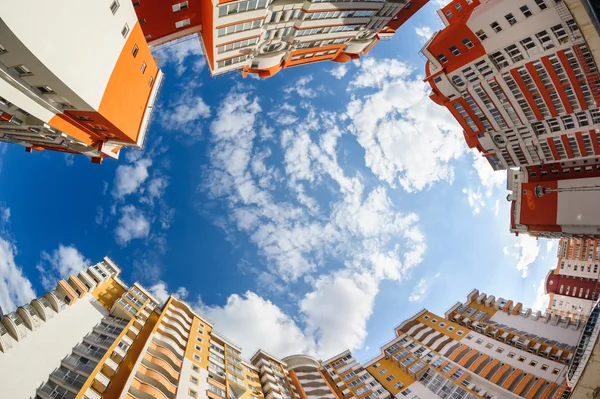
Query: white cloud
pixel 4 214
pixel 129 178
pixel 407 138
pixel 132 224
pixel 254 322
pixel 550 246
pixel 338 309
pixel 69 159
pixel 300 87
pixel 160 291
pixel 526 251
pixel 441 3
pixel 339 71
pixel 177 54
pixel 15 288
pixel 542 299
pixel 186 111
pixel 60 264
pixel 419 291
pixel 475 199
pixel 424 32
pixel 155 189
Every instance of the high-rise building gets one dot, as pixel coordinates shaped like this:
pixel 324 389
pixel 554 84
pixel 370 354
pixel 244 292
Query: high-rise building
pixel 93 94
pixel 574 285
pixel 95 337
pixel 263 37
pixel 522 81
pixel 486 347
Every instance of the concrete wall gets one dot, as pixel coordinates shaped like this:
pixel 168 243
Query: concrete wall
pixel 538 327
pixel 78 41
pixel 29 363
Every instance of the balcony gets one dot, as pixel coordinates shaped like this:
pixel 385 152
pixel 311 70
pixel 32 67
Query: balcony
pixel 173 334
pixel 110 367
pixel 83 349
pixel 171 323
pixel 175 318
pixel 43 308
pixel 119 353
pixel 164 354
pixel 91 393
pixel 51 390
pixel 100 382
pixel 169 344
pixel 79 364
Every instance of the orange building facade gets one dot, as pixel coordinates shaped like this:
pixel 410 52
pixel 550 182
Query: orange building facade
pixel 93 101
pixel 522 82
pixel 263 37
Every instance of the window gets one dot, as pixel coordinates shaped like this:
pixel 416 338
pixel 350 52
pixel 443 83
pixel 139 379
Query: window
pixel 496 27
pixel 454 50
pixel 481 34
pixel 195 368
pixel 99 128
pixel 437 79
pixel 376 365
pixel 390 377
pixel 143 69
pixel 521 359
pixel 544 367
pixel 240 27
pixel 22 70
pixel 198 348
pixel 125 30
pixel 181 24
pixel 83 118
pixel 148 37
pixel 541 4
pixel 45 89
pixel 555 371
pixel 442 58
pixel 426 317
pixel 469 336
pixel 180 6
pixel 192 393
pixel 448 14
pixel 458 7
pixel 398 385
pixel 510 18
pixel 442 324
pixel 479 341
pixel 499 350
pixel 114 7
pixel 459 333
pixel 525 10
pixel 533 363
pixel 489 345
pixel 197 358
pixel 136 3
pixel 200 332
pixel 135 50
pixel 242 6
pixel 216 390
pixel 193 380
pixel 150 81
pixel 382 371
pixel 511 355
pixel 405 392
pixel 467 42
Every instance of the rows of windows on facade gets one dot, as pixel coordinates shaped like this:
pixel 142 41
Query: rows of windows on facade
pixel 45 105
pixel 522 80
pixel 95 336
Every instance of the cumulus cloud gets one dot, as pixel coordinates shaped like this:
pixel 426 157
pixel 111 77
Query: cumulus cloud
pixel 301 88
pixel 419 291
pixel 359 228
pixel 489 182
pixel 129 178
pixel 525 252
pixel 15 288
pixel 132 224
pixel 181 55
pixel 542 300
pixel 424 32
pixel 4 214
pixel 60 264
pixel 475 198
pixel 160 291
pixel 339 71
pixel 408 139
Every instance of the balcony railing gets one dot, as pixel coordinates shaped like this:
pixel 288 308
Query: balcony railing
pixel 54 391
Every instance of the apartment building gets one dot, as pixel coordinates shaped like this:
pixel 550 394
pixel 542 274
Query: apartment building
pixel 95 337
pixel 519 78
pixel 522 82
pixel 486 347
pixel 263 37
pixel 350 379
pixel 93 95
pixel 574 285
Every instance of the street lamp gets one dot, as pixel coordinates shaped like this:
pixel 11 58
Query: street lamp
pixel 541 191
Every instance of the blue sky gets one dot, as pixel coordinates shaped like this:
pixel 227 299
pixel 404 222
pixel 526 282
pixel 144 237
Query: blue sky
pixel 310 212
